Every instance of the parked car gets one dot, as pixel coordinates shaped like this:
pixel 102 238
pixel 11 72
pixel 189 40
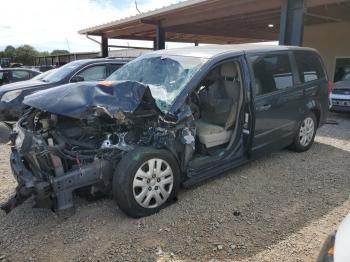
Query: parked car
pixel 11 96
pixel 11 75
pixel 169 118
pixel 336 247
pixel 43 75
pixel 340 97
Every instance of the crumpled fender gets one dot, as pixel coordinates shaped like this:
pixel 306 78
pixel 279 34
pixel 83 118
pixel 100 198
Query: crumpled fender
pixel 78 100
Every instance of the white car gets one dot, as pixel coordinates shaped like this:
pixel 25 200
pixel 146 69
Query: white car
pixel 337 246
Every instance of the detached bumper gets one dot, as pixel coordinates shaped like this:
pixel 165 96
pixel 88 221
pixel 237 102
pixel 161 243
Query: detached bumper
pixel 28 185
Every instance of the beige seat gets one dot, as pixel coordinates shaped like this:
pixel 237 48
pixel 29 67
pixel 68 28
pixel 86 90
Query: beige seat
pixel 209 131
pixel 212 135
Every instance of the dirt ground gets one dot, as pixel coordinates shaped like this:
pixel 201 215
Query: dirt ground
pixel 279 208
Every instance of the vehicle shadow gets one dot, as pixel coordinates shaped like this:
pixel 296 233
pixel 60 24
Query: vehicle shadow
pixel 232 217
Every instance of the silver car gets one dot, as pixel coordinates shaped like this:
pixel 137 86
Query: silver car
pixel 340 97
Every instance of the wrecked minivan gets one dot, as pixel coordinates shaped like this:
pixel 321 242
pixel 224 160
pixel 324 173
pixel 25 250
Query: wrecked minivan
pixel 167 119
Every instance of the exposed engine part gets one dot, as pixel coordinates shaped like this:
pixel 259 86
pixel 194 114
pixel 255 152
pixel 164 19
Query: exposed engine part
pixel 65 153
pixel 121 145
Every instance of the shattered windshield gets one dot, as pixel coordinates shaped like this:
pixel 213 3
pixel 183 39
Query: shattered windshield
pixel 166 76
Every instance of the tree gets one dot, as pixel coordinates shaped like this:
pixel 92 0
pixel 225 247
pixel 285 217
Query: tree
pixel 59 52
pixel 10 52
pixel 25 54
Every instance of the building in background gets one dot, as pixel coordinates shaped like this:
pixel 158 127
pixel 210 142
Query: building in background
pixel 58 60
pixel 322 24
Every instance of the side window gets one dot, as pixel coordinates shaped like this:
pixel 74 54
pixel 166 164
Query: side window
pixel 309 66
pixel 272 73
pixel 19 75
pixel 114 67
pixel 94 73
pixel 4 78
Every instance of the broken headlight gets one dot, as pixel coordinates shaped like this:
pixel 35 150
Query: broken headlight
pixel 9 96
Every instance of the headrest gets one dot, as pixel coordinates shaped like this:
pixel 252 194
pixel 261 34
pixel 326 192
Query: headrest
pixel 214 74
pixel 229 70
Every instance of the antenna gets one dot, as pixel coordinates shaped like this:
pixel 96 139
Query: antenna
pixel 137 8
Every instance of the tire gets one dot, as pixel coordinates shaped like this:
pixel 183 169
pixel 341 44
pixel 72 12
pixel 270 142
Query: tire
pixel 305 135
pixel 140 192
pixel 5 132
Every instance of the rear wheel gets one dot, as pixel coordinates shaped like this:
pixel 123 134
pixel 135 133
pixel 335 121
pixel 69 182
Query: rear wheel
pixel 305 135
pixel 145 181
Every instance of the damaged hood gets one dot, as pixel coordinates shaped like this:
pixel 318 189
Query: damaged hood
pixel 79 99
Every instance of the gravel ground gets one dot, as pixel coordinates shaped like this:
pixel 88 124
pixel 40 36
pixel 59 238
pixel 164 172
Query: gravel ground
pixel 279 208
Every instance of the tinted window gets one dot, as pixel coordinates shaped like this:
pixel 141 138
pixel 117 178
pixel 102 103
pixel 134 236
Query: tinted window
pixel 272 73
pixel 346 77
pixel 309 66
pixel 18 75
pixel 94 73
pixel 114 67
pixel 4 78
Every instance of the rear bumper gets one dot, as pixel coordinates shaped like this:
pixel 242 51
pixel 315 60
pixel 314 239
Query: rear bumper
pixel 340 103
pixel 343 109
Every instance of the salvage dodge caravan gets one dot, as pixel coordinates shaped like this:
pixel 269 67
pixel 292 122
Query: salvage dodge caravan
pixel 168 119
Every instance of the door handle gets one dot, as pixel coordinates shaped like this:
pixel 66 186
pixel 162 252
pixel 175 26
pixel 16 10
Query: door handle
pixel 264 107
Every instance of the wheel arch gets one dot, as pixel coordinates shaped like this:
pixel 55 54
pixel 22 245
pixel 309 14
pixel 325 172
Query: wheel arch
pixel 315 108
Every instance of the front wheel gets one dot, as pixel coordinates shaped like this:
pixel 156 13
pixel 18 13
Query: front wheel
pixel 146 180
pixel 305 135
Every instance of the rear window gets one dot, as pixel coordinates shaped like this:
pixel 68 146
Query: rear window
pixel 309 66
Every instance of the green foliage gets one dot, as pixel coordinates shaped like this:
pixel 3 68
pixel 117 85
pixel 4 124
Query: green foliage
pixel 10 52
pixel 25 54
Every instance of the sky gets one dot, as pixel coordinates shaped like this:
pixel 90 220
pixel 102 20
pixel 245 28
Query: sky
pixel 54 24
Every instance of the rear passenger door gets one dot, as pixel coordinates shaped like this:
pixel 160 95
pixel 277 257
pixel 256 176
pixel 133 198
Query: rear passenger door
pixel 277 100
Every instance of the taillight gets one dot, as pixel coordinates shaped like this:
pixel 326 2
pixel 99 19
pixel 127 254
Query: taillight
pixel 330 85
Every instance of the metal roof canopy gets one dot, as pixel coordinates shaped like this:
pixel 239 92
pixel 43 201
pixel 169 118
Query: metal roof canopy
pixel 221 21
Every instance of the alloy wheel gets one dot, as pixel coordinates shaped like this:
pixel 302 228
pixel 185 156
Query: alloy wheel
pixel 306 132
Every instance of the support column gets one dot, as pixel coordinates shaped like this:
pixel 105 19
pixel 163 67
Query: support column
pixel 104 46
pixel 292 22
pixel 159 42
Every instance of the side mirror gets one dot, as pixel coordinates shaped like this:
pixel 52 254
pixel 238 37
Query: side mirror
pixel 77 78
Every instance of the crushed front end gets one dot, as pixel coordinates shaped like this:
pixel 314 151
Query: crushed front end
pixel 56 153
